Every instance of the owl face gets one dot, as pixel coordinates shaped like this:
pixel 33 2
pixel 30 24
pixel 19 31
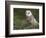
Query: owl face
pixel 28 13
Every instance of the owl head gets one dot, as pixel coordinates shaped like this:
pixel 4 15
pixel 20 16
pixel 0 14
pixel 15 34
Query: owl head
pixel 28 13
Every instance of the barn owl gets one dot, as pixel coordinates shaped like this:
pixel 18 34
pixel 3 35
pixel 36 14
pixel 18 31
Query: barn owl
pixel 30 18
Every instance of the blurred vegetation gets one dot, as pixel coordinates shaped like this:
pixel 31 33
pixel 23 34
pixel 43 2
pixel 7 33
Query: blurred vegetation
pixel 20 21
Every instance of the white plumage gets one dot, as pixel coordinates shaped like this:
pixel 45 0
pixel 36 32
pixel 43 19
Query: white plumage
pixel 30 18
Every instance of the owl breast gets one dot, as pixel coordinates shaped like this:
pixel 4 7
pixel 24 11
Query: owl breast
pixel 30 19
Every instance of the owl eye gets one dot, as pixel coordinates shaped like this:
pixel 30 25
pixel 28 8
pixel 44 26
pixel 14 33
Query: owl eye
pixel 28 12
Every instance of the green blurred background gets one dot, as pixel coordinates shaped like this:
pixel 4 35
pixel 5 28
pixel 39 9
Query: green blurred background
pixel 20 21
